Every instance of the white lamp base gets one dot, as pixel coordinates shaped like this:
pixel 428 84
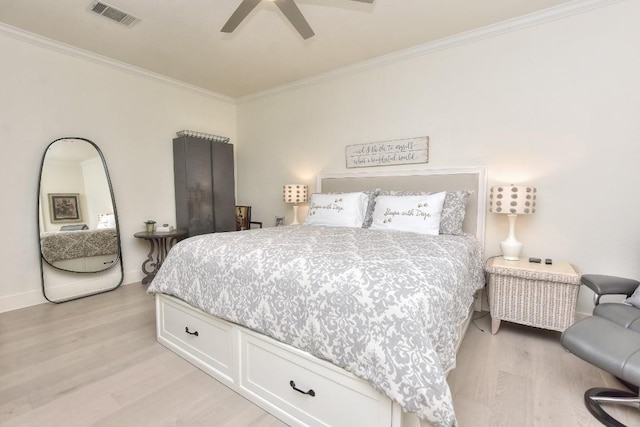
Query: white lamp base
pixel 511 250
pixel 511 247
pixel 295 216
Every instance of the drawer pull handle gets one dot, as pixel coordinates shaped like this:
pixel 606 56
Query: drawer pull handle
pixel 186 329
pixel 310 392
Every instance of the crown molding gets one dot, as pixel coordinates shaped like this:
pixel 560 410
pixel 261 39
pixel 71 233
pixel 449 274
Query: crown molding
pixel 537 18
pixel 554 13
pixel 37 40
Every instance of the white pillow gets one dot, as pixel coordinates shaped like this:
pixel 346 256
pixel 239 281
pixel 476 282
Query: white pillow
pixel 339 210
pixel 420 214
pixel 107 221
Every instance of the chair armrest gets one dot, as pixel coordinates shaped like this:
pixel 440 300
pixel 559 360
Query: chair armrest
pixel 609 285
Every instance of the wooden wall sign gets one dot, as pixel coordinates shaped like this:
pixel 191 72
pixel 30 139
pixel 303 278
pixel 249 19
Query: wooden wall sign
pixel 386 153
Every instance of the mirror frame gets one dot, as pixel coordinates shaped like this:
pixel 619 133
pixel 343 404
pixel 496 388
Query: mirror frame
pixel 43 261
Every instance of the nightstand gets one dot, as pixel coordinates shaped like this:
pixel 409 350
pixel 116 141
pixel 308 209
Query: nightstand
pixel 160 243
pixel 532 294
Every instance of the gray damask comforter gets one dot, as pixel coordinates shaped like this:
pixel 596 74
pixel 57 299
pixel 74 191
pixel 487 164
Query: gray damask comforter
pixel 383 305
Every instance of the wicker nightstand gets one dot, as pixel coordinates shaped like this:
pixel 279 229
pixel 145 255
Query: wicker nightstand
pixel 532 294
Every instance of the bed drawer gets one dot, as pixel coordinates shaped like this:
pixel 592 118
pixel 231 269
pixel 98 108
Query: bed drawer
pixel 338 398
pixel 202 340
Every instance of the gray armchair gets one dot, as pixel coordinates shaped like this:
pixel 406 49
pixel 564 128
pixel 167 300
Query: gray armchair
pixel 609 340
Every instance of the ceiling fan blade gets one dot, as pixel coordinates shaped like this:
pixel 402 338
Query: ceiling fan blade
pixel 240 13
pixel 293 14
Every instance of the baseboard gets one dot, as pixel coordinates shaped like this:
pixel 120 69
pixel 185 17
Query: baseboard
pixel 21 300
pixel 35 297
pixel 580 315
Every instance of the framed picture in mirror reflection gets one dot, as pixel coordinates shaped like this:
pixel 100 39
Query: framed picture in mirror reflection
pixel 64 207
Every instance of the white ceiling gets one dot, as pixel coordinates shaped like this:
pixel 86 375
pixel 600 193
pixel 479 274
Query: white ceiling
pixel 181 39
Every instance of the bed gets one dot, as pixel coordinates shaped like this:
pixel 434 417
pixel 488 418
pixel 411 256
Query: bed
pixel 80 250
pixel 334 325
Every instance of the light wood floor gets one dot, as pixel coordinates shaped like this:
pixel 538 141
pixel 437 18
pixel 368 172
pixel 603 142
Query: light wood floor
pixel 95 362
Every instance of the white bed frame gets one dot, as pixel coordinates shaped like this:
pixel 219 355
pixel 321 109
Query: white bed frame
pixel 280 378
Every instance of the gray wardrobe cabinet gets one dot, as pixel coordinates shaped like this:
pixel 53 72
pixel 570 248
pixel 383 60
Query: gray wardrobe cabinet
pixel 204 185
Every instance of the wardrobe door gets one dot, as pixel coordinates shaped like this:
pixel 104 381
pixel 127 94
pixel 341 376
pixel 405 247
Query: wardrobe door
pixel 224 199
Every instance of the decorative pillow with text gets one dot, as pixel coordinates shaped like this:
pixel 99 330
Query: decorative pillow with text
pixel 419 214
pixel 453 210
pixel 107 221
pixel 339 210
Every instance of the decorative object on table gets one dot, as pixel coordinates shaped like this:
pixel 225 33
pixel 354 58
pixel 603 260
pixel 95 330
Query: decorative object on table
pixel 279 221
pixel 164 228
pixel 204 183
pixel 512 200
pixel 150 225
pixel 202 135
pixel 386 153
pixel 243 218
pixel 64 207
pixel 160 243
pixel 295 194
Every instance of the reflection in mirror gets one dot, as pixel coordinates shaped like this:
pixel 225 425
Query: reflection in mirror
pixel 78 223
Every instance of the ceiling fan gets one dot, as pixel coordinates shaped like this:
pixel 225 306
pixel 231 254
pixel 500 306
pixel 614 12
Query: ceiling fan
pixel 287 7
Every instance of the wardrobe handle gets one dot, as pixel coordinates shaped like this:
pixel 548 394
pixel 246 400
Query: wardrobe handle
pixel 186 329
pixel 310 392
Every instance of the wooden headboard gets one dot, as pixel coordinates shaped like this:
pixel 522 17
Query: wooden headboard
pixel 428 180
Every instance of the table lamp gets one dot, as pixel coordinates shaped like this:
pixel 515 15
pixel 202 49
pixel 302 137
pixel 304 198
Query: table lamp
pixel 512 200
pixel 295 193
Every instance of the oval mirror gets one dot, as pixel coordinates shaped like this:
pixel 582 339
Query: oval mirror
pixel 78 222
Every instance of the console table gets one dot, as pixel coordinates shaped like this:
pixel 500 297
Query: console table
pixel 160 243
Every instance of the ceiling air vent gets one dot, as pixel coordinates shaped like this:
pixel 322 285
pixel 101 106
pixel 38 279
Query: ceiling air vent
pixel 112 13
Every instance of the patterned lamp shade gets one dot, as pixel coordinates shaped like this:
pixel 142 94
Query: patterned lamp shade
pixel 295 193
pixel 512 199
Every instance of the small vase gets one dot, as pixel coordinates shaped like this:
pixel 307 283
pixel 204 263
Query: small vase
pixel 150 227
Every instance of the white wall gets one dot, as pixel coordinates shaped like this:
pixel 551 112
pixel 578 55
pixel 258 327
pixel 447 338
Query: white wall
pixel 554 105
pixel 99 199
pixel 46 95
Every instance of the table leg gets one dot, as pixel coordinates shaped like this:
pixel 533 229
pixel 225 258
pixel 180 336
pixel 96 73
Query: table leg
pixel 159 246
pixel 149 267
pixel 495 325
